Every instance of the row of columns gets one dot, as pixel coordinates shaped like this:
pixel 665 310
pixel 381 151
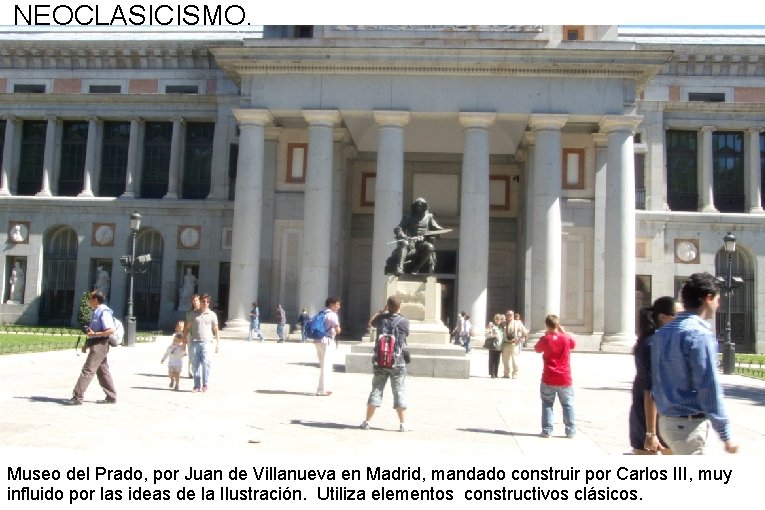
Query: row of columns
pixel 614 267
pixel 752 168
pixel 615 156
pixel 92 165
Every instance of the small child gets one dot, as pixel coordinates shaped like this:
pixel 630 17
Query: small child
pixel 556 347
pixel 176 351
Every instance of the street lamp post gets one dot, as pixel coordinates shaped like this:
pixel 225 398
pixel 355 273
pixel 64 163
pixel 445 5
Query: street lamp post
pixel 729 348
pixel 135 225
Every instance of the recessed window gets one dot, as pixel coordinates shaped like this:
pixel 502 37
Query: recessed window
pixel 297 158
pixel 28 88
pixel 105 89
pixel 707 97
pixel 182 89
pixel 573 169
pixel 368 183
pixel 573 32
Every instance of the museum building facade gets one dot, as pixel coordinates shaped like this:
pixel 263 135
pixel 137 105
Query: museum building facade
pixel 583 171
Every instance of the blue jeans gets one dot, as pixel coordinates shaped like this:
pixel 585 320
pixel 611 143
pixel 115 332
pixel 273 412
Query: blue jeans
pixel 200 363
pixel 254 326
pixel 397 383
pixel 466 341
pixel 280 331
pixel 566 396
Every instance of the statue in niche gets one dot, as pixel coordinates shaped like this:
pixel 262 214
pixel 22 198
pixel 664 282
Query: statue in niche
pixel 17 282
pixel 414 253
pixel 103 281
pixel 187 290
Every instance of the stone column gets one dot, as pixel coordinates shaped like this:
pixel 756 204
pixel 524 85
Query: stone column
pixel 132 159
pixel 754 172
pixel 619 261
pixel 49 157
pixel 473 273
pixel 389 196
pixel 546 268
pixel 599 308
pixel 175 159
pixel 317 209
pixel 9 146
pixel 707 180
pixel 656 170
pixel 248 213
pixel 88 172
pixel 528 247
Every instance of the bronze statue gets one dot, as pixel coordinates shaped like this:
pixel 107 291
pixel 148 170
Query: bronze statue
pixel 414 252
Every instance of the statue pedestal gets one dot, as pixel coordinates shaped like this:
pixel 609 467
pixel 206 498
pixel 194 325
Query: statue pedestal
pixel 429 340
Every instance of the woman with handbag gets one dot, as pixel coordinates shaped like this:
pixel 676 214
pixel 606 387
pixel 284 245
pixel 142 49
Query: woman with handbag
pixel 495 335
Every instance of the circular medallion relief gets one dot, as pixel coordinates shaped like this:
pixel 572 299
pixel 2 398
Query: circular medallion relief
pixel 189 237
pixel 686 251
pixel 104 235
pixel 18 233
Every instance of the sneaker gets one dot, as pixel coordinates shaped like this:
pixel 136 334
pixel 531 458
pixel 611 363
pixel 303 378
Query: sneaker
pixel 72 402
pixel 364 425
pixel 195 390
pixel 544 434
pixel 107 400
pixel 404 428
pixel 204 388
pixel 570 436
pixel 172 384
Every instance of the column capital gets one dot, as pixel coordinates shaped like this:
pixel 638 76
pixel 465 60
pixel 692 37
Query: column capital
pixel 541 121
pixel 707 129
pixel 601 140
pixel 477 119
pixel 328 118
pixel 10 118
pixel 392 118
pixel 756 129
pixel 529 139
pixel 177 118
pixel 611 123
pixel 251 116
pixel 53 118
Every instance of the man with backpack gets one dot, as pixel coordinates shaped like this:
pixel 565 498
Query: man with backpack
pixel 389 361
pixel 98 331
pixel 329 327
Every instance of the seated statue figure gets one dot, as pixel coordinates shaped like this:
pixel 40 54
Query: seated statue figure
pixel 414 252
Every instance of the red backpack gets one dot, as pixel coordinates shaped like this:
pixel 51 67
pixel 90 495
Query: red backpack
pixel 385 348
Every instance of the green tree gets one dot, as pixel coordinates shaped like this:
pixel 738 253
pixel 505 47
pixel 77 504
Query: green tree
pixel 84 311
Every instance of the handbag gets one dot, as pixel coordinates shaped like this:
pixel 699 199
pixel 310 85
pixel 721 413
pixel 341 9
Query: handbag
pixel 491 343
pixel 406 355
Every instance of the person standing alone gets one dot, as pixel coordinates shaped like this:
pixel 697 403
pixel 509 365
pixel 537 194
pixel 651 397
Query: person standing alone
pixel 97 346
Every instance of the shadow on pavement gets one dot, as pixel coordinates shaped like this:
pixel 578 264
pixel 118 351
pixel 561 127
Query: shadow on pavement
pixel 284 392
pixel 498 432
pixel 323 424
pixel 46 400
pixel 754 395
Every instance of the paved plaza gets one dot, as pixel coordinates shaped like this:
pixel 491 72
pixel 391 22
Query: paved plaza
pixel 261 399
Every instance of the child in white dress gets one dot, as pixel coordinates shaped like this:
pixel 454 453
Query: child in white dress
pixel 176 351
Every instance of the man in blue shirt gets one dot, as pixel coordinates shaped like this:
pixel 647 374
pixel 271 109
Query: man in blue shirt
pixel 684 361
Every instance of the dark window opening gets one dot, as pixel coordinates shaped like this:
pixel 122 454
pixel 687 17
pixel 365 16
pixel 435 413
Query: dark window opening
pixel 105 89
pixel 33 133
pixel 233 158
pixel 114 151
pixel 728 167
pixel 182 89
pixel 74 145
pixel 198 159
pixel 640 182
pixel 707 97
pixel 156 159
pixel 28 88
pixel 682 192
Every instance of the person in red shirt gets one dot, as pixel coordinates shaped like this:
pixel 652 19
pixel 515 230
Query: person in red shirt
pixel 556 347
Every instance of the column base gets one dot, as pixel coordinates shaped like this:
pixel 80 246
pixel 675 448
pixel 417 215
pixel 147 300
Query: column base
pixel 170 196
pixel 43 193
pixel 236 328
pixel 709 209
pixel 127 195
pixel 753 210
pixel 4 193
pixel 617 342
pixel 85 194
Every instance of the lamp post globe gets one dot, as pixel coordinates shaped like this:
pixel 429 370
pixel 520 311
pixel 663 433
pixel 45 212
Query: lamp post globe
pixel 130 333
pixel 729 348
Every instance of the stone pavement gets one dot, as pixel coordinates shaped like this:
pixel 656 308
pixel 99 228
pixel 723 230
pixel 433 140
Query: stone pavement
pixel 261 399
